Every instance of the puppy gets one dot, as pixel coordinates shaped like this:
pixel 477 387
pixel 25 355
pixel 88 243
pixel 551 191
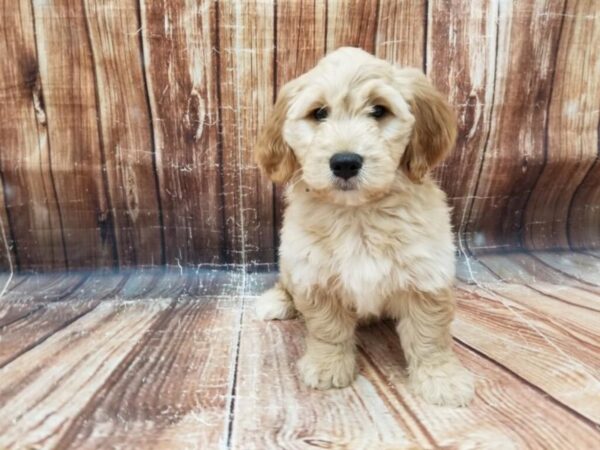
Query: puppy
pixel 366 231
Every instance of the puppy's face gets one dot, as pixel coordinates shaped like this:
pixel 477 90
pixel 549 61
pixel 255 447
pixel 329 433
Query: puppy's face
pixel 349 125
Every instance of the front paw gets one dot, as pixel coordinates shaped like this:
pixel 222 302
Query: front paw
pixel 321 371
pixel 444 383
pixel 275 304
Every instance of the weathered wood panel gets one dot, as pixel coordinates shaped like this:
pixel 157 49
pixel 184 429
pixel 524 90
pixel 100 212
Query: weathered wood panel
pixel 24 297
pixel 68 86
pixel 553 360
pixel 126 133
pixel 7 255
pixel 577 266
pixel 247 40
pixel 127 128
pixel 401 32
pixel 572 131
pixel 44 396
pixel 461 62
pixel 179 42
pixel 187 356
pixel 583 222
pixel 32 216
pixel 513 153
pixel 351 23
pixel 44 318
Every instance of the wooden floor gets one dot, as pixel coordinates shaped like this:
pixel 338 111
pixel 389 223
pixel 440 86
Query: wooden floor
pixel 177 360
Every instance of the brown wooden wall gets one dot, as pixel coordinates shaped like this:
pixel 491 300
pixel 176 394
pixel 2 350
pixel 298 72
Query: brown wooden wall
pixel 126 126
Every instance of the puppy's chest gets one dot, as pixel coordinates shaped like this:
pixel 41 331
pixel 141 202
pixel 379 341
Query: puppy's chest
pixel 365 255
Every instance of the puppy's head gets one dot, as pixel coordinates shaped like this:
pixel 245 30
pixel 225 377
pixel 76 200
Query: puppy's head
pixel 348 126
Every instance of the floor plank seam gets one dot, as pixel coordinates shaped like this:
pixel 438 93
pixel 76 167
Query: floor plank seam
pixel 47 336
pixel 18 318
pixel 233 391
pixel 521 317
pixel 67 436
pixel 422 428
pixel 565 274
pixel 531 385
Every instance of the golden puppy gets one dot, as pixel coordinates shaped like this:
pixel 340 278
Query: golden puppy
pixel 366 230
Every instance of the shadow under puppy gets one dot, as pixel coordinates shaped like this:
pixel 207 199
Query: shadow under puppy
pixel 366 230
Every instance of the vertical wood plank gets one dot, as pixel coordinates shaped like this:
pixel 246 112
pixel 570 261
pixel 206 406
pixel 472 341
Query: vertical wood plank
pixel 572 130
pixel 584 211
pixel 400 33
pixel 514 149
pixel 115 41
pixel 351 23
pixel 76 161
pixel 7 255
pixel 461 53
pixel 300 44
pixel 181 69
pixel 33 217
pixel 246 35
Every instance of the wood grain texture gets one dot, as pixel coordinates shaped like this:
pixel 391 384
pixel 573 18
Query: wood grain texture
pixel 527 47
pixel 572 131
pixel 504 413
pixel 176 379
pixel 21 300
pixel 584 213
pixel 247 38
pixel 7 255
pixel 274 409
pixel 126 130
pixel 461 62
pixel 77 155
pixel 351 23
pixel 179 43
pixel 401 32
pixel 89 350
pixel 44 318
pixel 580 267
pixel 176 358
pixel 32 216
pixel 548 357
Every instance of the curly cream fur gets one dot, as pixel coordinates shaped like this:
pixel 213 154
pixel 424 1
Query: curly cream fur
pixel 381 246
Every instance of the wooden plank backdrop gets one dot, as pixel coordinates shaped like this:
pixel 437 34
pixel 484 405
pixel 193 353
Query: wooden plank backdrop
pixel 127 126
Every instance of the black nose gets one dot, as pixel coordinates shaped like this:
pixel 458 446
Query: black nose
pixel 345 165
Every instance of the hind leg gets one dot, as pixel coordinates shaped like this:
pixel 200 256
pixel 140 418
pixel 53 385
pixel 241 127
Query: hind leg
pixel 275 304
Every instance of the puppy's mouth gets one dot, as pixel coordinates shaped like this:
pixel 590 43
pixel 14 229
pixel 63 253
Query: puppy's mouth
pixel 345 185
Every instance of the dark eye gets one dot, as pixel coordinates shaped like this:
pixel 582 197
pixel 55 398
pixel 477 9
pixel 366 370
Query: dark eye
pixel 320 114
pixel 378 111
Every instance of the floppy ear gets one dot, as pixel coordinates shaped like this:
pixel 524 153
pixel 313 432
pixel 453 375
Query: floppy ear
pixel 434 130
pixel 272 154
